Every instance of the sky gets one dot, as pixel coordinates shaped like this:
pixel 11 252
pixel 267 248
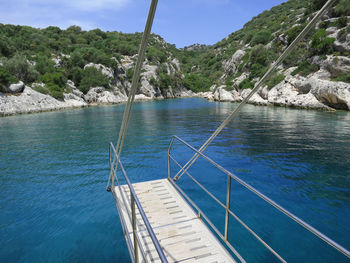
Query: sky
pixel 179 22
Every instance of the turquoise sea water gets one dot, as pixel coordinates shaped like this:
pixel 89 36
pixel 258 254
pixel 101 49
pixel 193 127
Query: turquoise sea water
pixel 54 168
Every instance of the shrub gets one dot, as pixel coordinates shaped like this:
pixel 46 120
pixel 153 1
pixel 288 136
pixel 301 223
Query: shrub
pixel 293 33
pixel 55 83
pixel 91 77
pixel 275 80
pixel 320 43
pixel 6 78
pixel 19 67
pixel 342 8
pixel 246 84
pixel 262 37
pixel 44 65
pixel 343 77
pixel 130 73
pixel 196 82
pixel 341 22
pixel 305 69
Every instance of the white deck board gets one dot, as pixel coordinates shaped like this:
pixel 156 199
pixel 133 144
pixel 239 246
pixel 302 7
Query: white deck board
pixel 182 235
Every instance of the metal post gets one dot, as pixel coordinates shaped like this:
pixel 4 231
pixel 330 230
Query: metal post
pixel 168 166
pixel 228 198
pixel 133 213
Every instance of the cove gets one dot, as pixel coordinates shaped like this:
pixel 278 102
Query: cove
pixel 54 170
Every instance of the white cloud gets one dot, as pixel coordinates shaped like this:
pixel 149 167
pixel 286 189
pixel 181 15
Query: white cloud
pixel 62 13
pixel 84 5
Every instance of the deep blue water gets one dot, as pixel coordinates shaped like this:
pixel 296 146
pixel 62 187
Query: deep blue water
pixel 54 168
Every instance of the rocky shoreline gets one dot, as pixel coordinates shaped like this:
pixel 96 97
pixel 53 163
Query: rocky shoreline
pixel 31 101
pixel 315 91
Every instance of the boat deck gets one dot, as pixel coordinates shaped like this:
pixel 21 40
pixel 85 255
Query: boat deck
pixel 181 233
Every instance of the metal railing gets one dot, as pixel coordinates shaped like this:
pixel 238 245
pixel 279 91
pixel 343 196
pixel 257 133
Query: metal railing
pixel 228 211
pixel 134 246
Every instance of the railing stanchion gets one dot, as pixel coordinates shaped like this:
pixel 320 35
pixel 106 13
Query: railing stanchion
pixel 228 199
pixel 133 212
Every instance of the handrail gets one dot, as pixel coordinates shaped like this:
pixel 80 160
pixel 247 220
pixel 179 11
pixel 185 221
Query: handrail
pixel 135 201
pixel 326 239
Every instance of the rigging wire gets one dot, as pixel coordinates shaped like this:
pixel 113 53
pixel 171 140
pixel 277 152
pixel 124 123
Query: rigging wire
pixel 134 85
pixel 272 68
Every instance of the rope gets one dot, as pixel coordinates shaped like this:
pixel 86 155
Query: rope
pixel 257 86
pixel 134 84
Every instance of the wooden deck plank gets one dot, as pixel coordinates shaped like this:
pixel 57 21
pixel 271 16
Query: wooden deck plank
pixel 182 235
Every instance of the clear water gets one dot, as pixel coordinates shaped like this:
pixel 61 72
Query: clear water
pixel 54 168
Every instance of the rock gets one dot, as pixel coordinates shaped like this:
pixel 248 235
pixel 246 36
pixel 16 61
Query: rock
pixel 182 92
pixel 255 99
pixel 342 46
pixel 57 61
pixel 223 95
pixel 141 97
pixel 334 64
pixel 285 94
pixel 146 88
pixel 74 100
pixel 238 80
pixel 231 64
pixel 334 94
pixel 99 95
pixel 32 101
pixel 206 95
pixel 104 70
pixel 15 88
pixel 263 92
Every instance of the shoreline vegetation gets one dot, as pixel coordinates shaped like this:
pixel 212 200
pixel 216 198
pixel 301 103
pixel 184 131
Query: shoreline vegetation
pixel 50 69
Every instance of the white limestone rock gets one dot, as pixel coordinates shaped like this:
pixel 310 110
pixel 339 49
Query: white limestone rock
pixel 15 88
pixel 231 64
pixel 31 101
pixel 142 97
pixel 223 95
pixel 255 99
pixel 108 72
pixel 206 95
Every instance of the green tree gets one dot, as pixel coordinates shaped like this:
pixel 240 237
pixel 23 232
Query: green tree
pixel 320 43
pixel 262 37
pixel 55 83
pixel 91 77
pixel 19 67
pixel 6 79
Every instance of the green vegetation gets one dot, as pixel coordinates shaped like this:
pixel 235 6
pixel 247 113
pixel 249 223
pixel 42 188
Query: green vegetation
pixel 27 53
pixel 6 78
pixel 320 43
pixel 196 82
pixel 91 77
pixel 345 77
pixel 55 84
pixel 305 68
pixel 275 80
pixel 246 84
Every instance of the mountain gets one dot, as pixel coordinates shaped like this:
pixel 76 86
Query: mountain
pixel 68 68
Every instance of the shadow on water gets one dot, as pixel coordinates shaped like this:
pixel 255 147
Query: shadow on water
pixel 54 168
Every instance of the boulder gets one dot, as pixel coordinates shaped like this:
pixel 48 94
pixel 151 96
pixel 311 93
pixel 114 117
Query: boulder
pixel 255 99
pixel 206 95
pixel 15 88
pixel 285 94
pixel 231 64
pixel 223 95
pixel 334 94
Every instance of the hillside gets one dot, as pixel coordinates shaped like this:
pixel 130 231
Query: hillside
pixel 237 62
pixel 72 67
